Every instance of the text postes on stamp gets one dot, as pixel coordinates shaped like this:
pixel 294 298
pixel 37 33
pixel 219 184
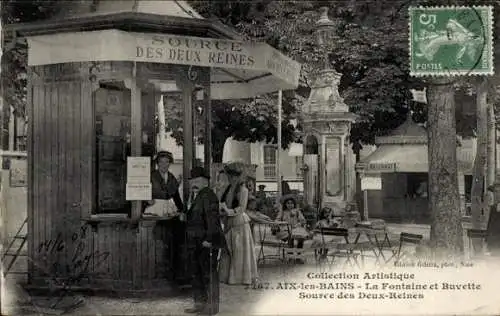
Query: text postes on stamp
pixel 450 41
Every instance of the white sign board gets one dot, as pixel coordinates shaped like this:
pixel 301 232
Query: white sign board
pixel 138 192
pixel 138 170
pixel 161 48
pixel 371 183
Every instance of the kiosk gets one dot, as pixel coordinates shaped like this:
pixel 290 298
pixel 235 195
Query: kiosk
pixel 96 74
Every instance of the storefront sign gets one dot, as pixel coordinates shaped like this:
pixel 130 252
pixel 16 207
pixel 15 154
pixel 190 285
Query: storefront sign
pixel 106 45
pixel 192 50
pixel 381 167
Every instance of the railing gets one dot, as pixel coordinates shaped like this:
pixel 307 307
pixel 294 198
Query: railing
pixel 270 172
pixel 12 154
pixel 13 189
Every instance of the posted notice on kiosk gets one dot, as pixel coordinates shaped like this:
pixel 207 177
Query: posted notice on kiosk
pixel 417 288
pixel 139 186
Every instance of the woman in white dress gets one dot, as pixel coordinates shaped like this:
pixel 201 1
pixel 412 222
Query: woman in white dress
pixel 238 264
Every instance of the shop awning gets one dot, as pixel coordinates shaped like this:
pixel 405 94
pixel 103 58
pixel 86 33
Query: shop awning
pixel 398 158
pixel 411 158
pixel 239 69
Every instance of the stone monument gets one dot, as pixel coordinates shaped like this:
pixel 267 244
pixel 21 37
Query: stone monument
pixel 329 176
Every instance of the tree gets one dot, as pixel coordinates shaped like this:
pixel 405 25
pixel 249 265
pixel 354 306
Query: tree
pixel 14 57
pixel 289 26
pixel 250 120
pixel 371 53
pixel 444 200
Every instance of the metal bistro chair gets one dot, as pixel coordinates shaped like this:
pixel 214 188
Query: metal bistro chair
pixel 335 249
pixel 377 239
pixel 404 240
pixel 267 239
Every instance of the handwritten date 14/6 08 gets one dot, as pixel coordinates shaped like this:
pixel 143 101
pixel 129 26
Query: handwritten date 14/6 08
pixel 258 286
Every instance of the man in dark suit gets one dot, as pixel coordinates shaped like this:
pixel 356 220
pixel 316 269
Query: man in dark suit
pixel 204 238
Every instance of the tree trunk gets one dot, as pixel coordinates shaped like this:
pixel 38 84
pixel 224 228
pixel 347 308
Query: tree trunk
pixel 444 201
pixel 479 171
pixel 5 124
pixel 491 163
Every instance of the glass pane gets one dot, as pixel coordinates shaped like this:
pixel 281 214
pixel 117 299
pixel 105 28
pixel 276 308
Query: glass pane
pixel 112 123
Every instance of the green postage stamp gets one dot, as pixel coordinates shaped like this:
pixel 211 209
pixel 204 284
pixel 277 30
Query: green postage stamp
pixel 450 41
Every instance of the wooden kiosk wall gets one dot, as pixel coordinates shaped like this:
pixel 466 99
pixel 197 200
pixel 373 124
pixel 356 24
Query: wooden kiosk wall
pixel 64 241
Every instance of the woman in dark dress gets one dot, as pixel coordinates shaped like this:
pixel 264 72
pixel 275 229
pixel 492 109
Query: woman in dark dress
pixel 164 184
pixel 165 187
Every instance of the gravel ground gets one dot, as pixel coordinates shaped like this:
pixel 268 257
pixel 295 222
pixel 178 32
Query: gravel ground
pixel 234 300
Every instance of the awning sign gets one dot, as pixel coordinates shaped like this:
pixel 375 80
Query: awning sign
pixel 259 59
pixel 381 167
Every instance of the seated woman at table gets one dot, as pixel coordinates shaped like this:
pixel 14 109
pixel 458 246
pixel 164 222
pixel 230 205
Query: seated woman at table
pixel 291 214
pixel 254 214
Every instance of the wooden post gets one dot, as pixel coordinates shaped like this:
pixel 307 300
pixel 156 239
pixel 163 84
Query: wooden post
pixel 365 196
pixel 136 131
pixel 194 123
pixel 187 150
pixel 208 132
pixel 278 149
pixel 365 204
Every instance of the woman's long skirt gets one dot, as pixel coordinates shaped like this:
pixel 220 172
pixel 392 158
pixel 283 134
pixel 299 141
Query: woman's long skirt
pixel 238 263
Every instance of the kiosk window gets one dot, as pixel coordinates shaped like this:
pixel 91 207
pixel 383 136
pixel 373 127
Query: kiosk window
pixel 417 185
pixel 112 119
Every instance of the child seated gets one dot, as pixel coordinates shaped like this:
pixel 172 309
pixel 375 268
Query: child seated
pixel 291 214
pixel 326 219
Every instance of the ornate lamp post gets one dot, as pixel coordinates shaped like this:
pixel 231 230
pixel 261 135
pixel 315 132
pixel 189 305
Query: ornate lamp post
pixel 329 176
pixel 325 34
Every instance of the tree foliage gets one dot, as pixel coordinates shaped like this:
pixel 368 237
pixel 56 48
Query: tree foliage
pixel 14 57
pixel 371 53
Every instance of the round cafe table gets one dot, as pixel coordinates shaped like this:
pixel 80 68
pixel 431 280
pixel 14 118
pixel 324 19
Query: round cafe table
pixel 267 239
pixel 378 240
